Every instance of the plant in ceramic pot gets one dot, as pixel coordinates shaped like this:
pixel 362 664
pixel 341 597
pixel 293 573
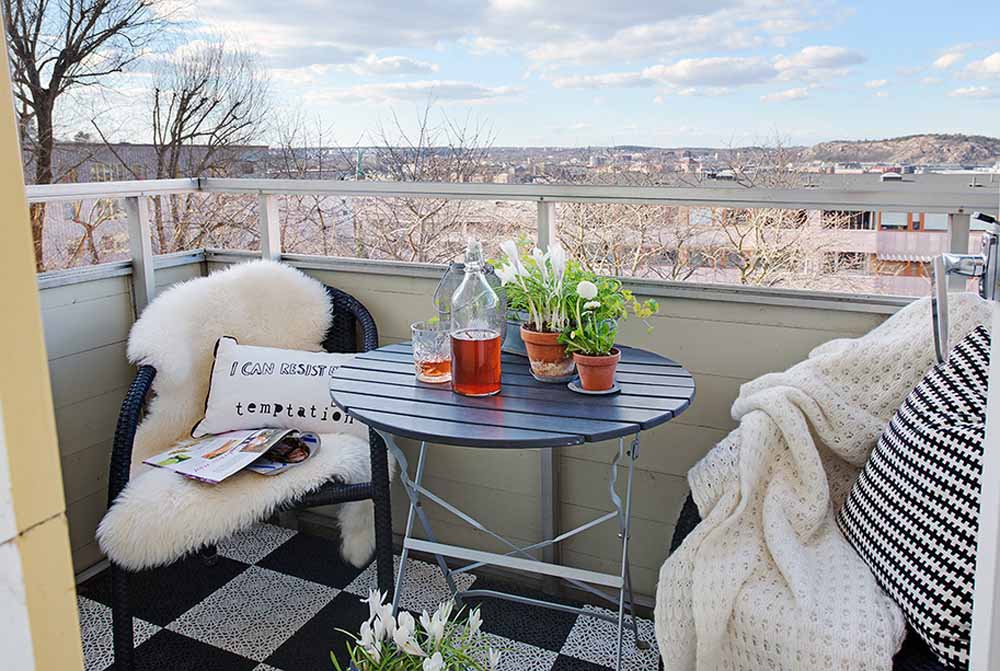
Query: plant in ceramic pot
pixel 438 642
pixel 540 285
pixel 600 302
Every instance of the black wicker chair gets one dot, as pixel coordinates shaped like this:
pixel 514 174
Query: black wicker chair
pixel 913 656
pixel 352 329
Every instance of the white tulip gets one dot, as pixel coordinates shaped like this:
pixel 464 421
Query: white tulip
pixel 405 642
pixel 494 661
pixel 434 663
pixel 509 247
pixel 541 260
pixel 433 626
pixel 475 622
pixel 443 612
pixel 506 273
pixel 375 601
pixel 557 255
pixel 366 640
pixel 586 290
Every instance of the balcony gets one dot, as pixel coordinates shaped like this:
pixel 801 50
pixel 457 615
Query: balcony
pixel 726 334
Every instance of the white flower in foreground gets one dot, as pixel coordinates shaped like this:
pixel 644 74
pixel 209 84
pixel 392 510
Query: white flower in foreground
pixel 375 602
pixel 443 612
pixel 403 636
pixel 541 260
pixel 591 305
pixel 475 622
pixel 434 663
pixel 365 638
pixel 494 660
pixel 433 626
pixel 586 290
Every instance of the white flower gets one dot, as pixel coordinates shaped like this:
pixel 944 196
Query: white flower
pixel 475 621
pixel 494 660
pixel 506 273
pixel 433 626
pixel 443 613
pixel 591 305
pixel 367 641
pixel 557 255
pixel 586 290
pixel 405 642
pixel 509 247
pixel 375 602
pixel 542 261
pixel 434 663
pixel 379 630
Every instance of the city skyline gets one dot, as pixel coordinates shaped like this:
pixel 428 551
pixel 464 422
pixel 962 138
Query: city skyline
pixel 658 74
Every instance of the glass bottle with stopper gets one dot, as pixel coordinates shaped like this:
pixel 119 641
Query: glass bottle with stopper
pixel 477 318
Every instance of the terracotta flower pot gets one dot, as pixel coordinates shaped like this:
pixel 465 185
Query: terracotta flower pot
pixel 597 373
pixel 548 358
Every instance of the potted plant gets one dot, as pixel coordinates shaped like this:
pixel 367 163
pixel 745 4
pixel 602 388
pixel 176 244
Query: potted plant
pixel 439 642
pixel 600 302
pixel 539 284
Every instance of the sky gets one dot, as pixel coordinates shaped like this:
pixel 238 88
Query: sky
pixel 658 72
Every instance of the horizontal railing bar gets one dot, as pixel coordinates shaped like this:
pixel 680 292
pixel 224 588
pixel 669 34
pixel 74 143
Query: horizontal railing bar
pixel 904 198
pixel 38 193
pixel 102 271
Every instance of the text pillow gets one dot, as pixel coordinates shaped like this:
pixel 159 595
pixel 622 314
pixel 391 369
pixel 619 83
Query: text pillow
pixel 255 387
pixel 913 513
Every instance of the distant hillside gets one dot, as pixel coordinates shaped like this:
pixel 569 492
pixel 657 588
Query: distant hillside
pixel 911 149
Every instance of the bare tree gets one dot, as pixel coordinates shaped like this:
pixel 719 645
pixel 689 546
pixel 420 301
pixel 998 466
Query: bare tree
pixel 206 106
pixel 429 230
pixel 57 46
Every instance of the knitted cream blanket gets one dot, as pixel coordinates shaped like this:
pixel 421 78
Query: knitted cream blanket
pixel 767 581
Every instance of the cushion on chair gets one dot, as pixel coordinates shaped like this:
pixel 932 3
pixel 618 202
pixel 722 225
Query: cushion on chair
pixel 913 513
pixel 253 387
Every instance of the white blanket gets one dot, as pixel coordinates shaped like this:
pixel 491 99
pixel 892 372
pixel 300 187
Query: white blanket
pixel 767 581
pixel 161 516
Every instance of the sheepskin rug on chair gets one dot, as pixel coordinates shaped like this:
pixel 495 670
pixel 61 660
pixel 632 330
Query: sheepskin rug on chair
pixel 161 516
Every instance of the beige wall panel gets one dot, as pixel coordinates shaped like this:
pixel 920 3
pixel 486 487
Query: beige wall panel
pixel 92 373
pixel 85 472
pixel 85 423
pixel 84 516
pixel 85 325
pixel 83 291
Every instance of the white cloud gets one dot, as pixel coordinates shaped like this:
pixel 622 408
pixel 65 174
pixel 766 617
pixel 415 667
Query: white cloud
pixel 688 72
pixel 974 92
pixel 987 67
pixel 876 83
pixel 881 94
pixel 602 81
pixel 947 60
pixel 445 90
pixel 800 93
pixel 931 81
pixel 821 57
pixel 310 74
pixel 372 65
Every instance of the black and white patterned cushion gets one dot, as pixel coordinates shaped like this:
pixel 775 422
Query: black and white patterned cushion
pixel 913 513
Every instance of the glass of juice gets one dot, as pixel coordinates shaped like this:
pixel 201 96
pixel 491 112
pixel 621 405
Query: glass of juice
pixel 432 351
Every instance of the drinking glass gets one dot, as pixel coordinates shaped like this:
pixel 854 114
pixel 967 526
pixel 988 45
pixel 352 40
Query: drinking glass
pixel 432 351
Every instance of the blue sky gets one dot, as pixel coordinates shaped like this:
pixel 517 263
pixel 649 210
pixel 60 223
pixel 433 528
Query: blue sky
pixel 666 72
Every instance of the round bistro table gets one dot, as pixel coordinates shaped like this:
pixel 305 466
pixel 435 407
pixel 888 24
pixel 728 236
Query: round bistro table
pixel 380 389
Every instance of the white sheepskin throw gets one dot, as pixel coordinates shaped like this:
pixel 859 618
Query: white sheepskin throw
pixel 161 516
pixel 767 581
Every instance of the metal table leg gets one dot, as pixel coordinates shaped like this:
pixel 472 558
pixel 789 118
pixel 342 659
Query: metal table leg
pixel 521 557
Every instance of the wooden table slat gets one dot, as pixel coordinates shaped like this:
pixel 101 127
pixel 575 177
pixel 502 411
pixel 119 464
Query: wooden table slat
pixel 380 389
pixel 442 394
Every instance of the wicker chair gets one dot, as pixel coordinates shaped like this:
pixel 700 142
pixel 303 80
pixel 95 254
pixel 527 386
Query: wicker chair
pixel 913 656
pixel 352 329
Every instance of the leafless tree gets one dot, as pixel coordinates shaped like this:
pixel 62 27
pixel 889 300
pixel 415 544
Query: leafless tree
pixel 430 230
pixel 206 106
pixel 60 45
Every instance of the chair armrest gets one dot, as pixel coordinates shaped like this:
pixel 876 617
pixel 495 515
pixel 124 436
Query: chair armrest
pixel 128 422
pixel 344 303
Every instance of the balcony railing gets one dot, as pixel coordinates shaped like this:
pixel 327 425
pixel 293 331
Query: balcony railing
pixel 958 204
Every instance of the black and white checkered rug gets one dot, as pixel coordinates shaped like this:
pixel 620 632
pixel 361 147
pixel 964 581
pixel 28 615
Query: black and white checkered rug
pixel 277 599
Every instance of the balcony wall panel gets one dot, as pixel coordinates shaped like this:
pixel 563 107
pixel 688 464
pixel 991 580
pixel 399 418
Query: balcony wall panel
pixel 86 329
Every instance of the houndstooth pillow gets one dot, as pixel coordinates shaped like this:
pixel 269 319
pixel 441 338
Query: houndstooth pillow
pixel 913 513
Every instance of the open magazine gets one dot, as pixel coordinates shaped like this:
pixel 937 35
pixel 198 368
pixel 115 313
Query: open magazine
pixel 212 459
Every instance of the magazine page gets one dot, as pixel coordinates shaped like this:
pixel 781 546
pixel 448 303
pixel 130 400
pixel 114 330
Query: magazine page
pixel 290 451
pixel 214 458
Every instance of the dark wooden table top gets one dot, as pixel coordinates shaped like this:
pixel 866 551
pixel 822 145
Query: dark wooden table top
pixel 380 389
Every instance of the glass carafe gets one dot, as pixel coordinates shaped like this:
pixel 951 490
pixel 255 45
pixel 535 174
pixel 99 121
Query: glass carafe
pixel 476 325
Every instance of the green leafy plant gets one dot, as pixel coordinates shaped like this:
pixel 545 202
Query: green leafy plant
pixel 439 642
pixel 539 283
pixel 599 304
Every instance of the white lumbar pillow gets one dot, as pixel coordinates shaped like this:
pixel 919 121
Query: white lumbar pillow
pixel 255 387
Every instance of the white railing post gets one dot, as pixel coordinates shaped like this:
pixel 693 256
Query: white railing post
pixel 140 244
pixel 269 217
pixel 548 465
pixel 958 230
